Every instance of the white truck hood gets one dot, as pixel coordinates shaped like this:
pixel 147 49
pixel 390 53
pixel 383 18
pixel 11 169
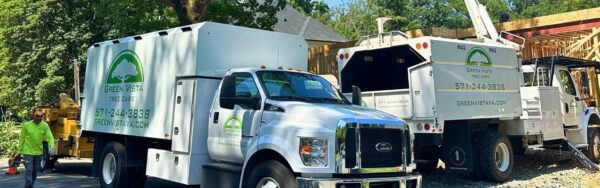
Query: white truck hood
pixel 324 115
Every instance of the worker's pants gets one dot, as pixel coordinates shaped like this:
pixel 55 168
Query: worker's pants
pixel 32 164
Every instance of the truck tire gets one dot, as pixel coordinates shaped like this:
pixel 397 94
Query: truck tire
pixel 113 166
pixel 593 151
pixel 496 158
pixel 271 173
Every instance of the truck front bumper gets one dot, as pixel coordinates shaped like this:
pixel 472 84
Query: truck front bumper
pixel 408 181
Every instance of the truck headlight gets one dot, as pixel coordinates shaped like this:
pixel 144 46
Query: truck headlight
pixel 313 151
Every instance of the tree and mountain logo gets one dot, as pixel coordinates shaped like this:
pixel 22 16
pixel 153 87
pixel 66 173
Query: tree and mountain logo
pixel 125 68
pixel 478 57
pixel 233 122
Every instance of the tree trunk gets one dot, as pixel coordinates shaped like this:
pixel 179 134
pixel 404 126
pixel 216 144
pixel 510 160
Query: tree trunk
pixel 188 11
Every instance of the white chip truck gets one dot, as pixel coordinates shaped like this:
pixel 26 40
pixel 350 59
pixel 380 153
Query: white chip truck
pixel 225 106
pixel 473 104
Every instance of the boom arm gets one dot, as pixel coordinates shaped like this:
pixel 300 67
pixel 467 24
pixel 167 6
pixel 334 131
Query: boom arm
pixel 481 20
pixel 484 27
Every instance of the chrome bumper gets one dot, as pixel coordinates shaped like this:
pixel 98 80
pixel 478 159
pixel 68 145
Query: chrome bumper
pixel 408 181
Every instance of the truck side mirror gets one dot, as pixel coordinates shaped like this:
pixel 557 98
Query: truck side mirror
pixel 227 94
pixel 356 96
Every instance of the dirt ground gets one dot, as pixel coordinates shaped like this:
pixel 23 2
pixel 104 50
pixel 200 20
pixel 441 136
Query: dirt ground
pixel 539 169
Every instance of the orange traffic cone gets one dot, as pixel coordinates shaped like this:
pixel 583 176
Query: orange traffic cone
pixel 12 170
pixel 13 163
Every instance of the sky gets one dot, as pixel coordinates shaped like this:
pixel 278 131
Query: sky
pixel 334 3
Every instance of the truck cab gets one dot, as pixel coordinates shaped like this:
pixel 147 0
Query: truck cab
pixel 286 128
pixel 177 105
pixel 575 80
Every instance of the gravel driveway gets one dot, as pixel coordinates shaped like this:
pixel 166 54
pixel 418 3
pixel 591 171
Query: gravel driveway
pixel 540 169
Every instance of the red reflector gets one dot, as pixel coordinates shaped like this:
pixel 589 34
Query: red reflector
pixel 425 45
pixel 427 127
pixel 341 56
pixel 418 46
pixel 346 56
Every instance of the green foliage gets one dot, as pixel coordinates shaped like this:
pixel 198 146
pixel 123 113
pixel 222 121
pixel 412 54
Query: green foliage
pixel 533 8
pixel 247 13
pixel 39 38
pixel 317 9
pixel 9 140
pixel 358 17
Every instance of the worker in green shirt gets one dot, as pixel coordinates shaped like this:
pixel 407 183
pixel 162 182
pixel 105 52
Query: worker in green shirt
pixel 31 146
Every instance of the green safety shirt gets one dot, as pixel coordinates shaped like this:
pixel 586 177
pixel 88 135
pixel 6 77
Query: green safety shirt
pixel 30 141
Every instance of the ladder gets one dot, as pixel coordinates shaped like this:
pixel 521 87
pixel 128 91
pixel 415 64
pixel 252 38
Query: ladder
pixel 579 156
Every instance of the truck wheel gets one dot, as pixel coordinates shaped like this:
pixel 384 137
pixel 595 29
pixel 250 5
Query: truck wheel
pixel 271 174
pixel 496 159
pixel 113 167
pixel 593 151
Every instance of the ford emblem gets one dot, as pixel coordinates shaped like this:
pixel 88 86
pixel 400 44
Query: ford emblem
pixel 383 147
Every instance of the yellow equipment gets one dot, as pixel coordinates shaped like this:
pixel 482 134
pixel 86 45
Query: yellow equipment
pixel 62 120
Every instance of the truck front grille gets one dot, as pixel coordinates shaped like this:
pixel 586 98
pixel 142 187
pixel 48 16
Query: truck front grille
pixel 379 147
pixel 371 139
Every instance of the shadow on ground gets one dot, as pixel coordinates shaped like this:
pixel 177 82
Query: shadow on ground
pixel 66 173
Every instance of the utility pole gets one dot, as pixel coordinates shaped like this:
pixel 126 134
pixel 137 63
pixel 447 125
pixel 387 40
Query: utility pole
pixel 76 81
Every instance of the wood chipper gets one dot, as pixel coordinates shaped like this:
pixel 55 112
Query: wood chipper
pixel 62 119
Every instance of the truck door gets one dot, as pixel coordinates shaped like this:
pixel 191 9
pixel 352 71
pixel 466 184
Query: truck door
pixel 571 107
pixel 235 115
pixel 183 118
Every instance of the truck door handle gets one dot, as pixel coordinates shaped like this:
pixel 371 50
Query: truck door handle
pixel 566 108
pixel 216 117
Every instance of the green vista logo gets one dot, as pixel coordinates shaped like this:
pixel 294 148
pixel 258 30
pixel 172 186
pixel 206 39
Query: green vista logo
pixel 478 57
pixel 233 122
pixel 125 68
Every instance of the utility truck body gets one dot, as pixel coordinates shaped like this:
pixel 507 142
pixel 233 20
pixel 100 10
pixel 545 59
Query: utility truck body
pixel 211 104
pixel 468 101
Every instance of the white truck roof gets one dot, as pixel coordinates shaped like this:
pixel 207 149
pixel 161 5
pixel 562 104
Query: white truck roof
pixel 139 72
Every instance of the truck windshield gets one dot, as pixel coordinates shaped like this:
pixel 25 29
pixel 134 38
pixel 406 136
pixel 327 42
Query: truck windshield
pixel 284 85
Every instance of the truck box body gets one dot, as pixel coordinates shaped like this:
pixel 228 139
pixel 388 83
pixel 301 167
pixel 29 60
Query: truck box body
pixel 130 83
pixel 449 81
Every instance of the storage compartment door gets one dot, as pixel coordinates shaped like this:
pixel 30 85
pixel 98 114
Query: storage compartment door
pixel 423 96
pixel 182 121
pixel 178 167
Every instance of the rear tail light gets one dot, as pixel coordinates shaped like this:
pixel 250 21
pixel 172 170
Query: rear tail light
pixel 425 45
pixel 427 126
